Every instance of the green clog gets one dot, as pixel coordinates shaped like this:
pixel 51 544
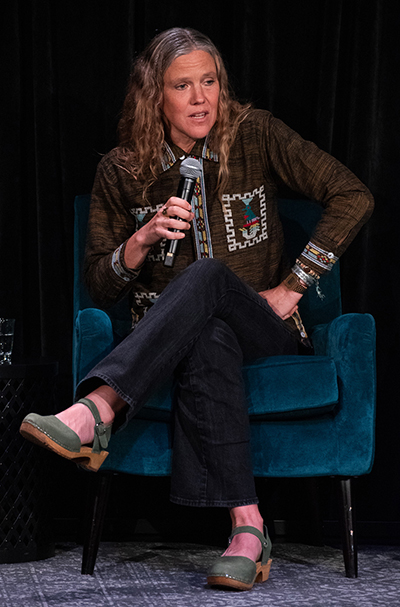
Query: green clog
pixel 240 572
pixel 50 432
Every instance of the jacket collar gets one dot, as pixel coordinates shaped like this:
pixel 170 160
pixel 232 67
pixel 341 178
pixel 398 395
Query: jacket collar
pixel 172 153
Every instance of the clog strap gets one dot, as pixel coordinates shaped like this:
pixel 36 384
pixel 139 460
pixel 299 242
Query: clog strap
pixel 102 432
pixel 264 539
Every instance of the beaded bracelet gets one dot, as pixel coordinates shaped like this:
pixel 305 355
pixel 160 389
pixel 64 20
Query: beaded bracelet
pixel 307 269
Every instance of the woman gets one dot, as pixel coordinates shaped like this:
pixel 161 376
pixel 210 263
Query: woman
pixel 230 296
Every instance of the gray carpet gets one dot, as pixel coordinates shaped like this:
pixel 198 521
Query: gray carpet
pixel 159 574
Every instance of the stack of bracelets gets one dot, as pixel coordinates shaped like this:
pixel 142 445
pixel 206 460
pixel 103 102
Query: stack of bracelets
pixel 303 278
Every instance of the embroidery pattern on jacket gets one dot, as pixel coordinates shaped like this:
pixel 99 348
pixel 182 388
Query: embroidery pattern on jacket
pixel 139 215
pixel 253 228
pixel 201 225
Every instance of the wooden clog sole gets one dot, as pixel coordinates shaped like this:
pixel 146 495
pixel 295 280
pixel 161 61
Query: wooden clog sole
pixel 84 458
pixel 262 574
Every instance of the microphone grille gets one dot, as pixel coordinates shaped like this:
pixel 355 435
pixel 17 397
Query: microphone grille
pixel 190 168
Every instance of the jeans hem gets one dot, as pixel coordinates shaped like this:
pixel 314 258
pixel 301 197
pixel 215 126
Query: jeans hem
pixel 181 501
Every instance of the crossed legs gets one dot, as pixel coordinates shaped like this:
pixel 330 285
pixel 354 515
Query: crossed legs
pixel 205 322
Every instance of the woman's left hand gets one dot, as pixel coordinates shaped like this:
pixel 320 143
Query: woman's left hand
pixel 282 300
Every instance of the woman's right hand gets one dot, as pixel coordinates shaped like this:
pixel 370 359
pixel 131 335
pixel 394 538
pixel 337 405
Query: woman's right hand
pixel 158 228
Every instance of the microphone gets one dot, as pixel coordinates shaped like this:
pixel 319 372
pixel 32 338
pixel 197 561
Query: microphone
pixel 190 170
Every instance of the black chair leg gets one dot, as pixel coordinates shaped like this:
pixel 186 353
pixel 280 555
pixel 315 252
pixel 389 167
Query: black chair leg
pixel 95 522
pixel 348 527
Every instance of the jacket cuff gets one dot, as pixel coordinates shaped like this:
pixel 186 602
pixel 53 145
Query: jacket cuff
pixel 119 266
pixel 316 258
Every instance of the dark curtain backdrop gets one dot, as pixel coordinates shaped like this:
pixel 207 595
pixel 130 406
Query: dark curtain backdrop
pixel 329 68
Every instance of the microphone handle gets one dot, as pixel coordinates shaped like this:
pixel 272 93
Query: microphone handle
pixel 185 191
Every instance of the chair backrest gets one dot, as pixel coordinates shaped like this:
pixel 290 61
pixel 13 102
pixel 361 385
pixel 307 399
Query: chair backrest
pixel 119 314
pixel 82 299
pixel 299 218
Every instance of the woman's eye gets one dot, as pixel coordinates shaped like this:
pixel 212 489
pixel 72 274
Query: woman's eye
pixel 180 87
pixel 209 82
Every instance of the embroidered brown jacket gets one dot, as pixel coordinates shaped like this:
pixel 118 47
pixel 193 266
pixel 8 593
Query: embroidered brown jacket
pixel 245 231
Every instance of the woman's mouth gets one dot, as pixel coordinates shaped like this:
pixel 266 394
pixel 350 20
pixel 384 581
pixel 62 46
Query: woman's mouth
pixel 198 115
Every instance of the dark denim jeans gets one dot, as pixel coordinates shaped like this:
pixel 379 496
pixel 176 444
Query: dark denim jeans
pixel 205 324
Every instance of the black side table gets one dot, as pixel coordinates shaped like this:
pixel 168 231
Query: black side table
pixel 25 521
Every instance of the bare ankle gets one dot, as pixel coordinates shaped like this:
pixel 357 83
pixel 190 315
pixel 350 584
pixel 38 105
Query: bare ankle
pixel 105 396
pixel 80 419
pixel 245 544
pixel 246 515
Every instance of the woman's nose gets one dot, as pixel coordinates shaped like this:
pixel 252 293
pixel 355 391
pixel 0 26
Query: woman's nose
pixel 197 94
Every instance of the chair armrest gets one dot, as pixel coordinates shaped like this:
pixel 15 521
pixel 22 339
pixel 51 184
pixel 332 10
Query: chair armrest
pixel 93 339
pixel 350 341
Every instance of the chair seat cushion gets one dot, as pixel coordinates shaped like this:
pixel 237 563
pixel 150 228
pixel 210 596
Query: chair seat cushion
pixel 277 388
pixel 291 387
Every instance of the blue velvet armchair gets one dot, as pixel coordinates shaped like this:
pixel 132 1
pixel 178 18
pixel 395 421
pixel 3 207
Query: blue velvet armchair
pixel 310 415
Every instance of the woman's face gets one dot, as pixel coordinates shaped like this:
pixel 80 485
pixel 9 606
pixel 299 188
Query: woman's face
pixel 190 102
